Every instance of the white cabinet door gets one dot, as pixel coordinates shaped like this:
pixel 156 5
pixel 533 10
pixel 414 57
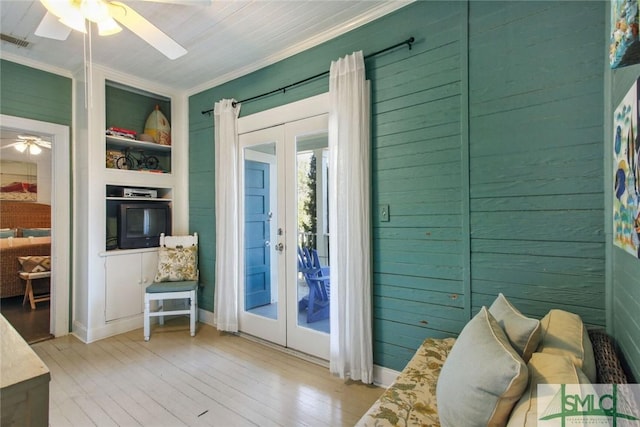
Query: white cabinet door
pixel 127 276
pixel 149 269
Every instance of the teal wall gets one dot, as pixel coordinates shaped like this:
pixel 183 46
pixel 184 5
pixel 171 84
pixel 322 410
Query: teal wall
pixel 625 277
pixel 536 130
pixel 486 143
pixel 34 94
pixel 129 109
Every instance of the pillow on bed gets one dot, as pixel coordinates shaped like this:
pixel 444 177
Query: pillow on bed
pixel 35 232
pixel 7 232
pixel 35 263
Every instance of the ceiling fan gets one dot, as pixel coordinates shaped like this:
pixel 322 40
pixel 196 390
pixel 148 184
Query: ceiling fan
pixel 64 15
pixel 32 144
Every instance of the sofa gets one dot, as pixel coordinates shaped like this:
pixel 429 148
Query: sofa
pixel 489 374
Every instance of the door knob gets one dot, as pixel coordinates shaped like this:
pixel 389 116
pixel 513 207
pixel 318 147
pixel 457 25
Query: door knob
pixel 267 243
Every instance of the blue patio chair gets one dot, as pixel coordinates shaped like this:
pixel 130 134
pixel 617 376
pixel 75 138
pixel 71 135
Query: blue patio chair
pixel 317 279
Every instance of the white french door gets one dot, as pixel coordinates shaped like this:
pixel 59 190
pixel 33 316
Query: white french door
pixel 283 207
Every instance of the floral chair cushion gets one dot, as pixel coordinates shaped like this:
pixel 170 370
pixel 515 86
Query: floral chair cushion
pixel 411 399
pixel 177 264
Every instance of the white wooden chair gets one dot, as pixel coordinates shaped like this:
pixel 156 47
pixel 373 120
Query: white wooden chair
pixel 177 278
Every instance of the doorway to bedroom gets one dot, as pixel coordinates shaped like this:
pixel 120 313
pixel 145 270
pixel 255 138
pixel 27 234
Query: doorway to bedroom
pixel 25 223
pixel 35 156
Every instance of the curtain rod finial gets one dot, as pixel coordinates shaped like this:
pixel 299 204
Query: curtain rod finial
pixel 410 41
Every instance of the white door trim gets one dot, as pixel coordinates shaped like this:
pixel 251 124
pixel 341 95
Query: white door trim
pixel 269 122
pixel 60 214
pixel 303 109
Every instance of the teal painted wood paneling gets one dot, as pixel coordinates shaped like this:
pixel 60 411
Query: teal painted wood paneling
pixel 130 110
pixel 34 94
pixel 625 276
pixel 536 120
pixel 486 144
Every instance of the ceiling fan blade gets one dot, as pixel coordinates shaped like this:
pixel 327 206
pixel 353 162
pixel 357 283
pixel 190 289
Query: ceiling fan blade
pixel 183 2
pixel 50 27
pixel 44 144
pixel 9 145
pixel 145 30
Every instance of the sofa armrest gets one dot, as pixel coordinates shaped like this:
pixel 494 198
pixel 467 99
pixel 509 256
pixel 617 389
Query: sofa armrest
pixel 608 367
pixel 411 399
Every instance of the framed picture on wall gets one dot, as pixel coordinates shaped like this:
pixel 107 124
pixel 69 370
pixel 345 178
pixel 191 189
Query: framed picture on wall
pixel 624 44
pixel 626 174
pixel 18 181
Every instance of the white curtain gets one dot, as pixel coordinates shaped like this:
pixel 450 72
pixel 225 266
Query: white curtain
pixel 226 211
pixel 349 218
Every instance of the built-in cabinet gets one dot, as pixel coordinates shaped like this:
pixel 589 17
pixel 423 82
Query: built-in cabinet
pixel 109 282
pixel 126 276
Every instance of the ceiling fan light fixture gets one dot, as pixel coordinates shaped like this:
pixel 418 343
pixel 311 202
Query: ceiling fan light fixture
pixel 21 147
pixel 34 149
pixel 75 20
pixel 68 13
pixel 94 10
pixel 108 27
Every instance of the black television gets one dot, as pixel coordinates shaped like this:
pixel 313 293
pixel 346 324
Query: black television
pixel 141 223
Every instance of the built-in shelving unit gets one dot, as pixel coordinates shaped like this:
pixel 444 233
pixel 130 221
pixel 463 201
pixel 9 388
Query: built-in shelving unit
pixel 111 281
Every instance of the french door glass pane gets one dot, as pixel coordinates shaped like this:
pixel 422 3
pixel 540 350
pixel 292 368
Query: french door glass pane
pixel 260 195
pixel 313 286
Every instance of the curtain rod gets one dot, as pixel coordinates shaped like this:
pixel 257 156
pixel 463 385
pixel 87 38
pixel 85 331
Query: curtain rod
pixel 283 89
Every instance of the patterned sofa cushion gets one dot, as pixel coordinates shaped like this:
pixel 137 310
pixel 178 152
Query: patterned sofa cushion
pixel 411 399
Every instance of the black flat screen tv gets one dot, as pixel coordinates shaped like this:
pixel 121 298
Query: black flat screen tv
pixel 141 223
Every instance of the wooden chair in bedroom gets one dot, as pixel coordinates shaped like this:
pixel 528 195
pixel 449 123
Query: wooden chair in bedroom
pixel 177 278
pixel 33 268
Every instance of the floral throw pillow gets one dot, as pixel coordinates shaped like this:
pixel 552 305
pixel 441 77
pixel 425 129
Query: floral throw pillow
pixel 35 263
pixel 177 264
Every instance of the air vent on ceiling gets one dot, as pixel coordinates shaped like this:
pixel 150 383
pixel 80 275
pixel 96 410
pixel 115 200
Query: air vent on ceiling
pixel 13 40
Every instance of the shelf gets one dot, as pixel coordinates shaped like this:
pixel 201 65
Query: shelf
pixel 146 199
pixel 116 252
pixel 121 142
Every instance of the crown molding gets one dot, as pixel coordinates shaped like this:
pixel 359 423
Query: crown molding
pixel 385 8
pixel 36 64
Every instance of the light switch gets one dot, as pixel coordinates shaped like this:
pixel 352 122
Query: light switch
pixel 383 210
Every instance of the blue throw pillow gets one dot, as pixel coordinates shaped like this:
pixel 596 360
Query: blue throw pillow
pixel 36 232
pixel 7 232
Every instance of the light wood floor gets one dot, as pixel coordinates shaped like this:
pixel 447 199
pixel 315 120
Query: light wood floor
pixel 212 379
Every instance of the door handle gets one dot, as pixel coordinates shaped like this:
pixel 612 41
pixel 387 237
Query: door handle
pixel 267 243
pixel 280 247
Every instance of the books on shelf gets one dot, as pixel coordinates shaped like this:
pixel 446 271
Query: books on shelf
pixel 125 133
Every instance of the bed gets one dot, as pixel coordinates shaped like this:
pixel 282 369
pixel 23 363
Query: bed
pixel 30 219
pixel 17 190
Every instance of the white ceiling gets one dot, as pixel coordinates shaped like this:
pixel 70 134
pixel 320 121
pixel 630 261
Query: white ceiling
pixel 224 39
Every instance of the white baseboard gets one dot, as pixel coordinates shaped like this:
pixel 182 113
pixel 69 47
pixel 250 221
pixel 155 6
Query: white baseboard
pixel 206 317
pixel 384 377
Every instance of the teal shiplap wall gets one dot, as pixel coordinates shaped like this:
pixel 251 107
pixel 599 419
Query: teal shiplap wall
pixel 486 144
pixel 129 109
pixel 625 277
pixel 34 94
pixel 536 170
